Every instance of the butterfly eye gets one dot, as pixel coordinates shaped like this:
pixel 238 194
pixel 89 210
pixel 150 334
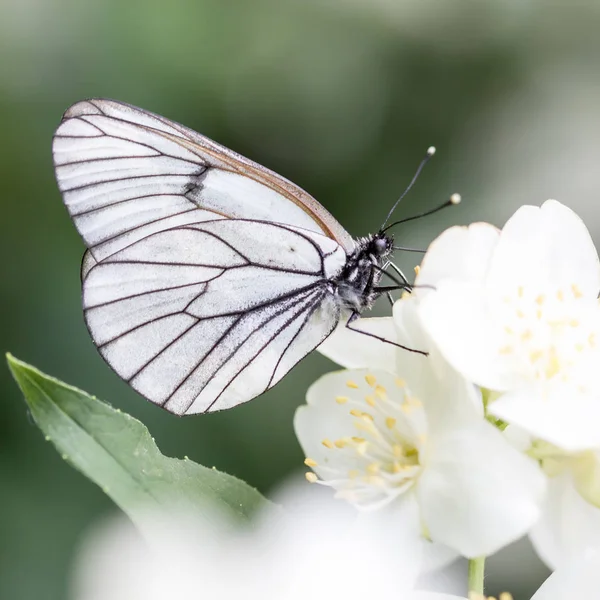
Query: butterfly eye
pixel 381 245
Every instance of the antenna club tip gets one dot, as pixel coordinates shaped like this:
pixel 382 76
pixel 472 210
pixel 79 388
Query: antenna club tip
pixel 455 199
pixel 431 151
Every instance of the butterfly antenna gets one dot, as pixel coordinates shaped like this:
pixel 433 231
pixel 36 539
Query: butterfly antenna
pixel 428 155
pixel 452 201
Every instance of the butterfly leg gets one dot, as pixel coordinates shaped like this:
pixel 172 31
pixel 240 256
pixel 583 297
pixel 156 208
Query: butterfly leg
pixel 399 271
pixel 401 285
pixel 354 315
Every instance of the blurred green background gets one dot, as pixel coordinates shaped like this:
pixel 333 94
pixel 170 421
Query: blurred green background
pixel 341 96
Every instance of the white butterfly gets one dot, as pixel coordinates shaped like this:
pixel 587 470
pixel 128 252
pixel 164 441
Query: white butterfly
pixel 207 276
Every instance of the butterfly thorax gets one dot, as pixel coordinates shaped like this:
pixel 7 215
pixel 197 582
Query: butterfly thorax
pixel 358 281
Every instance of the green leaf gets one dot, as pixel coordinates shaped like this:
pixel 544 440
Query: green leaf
pixel 117 453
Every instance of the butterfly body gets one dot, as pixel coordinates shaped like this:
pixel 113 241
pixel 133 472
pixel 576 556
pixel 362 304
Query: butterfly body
pixel 357 284
pixel 207 277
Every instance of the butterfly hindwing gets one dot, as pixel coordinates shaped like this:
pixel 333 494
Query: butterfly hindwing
pixel 209 315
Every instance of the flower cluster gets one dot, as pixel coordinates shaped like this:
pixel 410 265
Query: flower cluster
pixel 313 553
pixel 496 432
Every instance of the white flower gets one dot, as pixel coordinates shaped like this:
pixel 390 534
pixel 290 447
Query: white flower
pixel 317 554
pixel 523 320
pixel 416 437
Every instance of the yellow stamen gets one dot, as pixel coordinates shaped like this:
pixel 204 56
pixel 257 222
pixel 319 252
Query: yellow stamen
pixel 327 443
pixel 540 299
pixel 381 392
pixel 309 462
pixel 526 335
pixel 400 382
pixel 352 384
pixel 373 468
pixel 576 291
pixel 560 295
pixel 535 355
pixel 356 413
pixel 370 379
pixel 342 399
pixel 573 322
pixel 520 291
pixel 417 269
pixel 520 314
pixel 390 422
pixel 311 477
pixel 358 440
pixel 340 443
pixel 398 450
pixel 554 365
pixel 370 400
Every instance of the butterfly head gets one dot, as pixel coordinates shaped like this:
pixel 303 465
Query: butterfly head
pixel 379 246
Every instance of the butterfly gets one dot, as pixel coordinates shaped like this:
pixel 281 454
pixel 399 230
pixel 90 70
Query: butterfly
pixel 207 277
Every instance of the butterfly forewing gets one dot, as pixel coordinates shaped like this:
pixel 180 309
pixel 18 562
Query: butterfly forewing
pixel 126 173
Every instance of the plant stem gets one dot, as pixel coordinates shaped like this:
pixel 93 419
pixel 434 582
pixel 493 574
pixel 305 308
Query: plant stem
pixel 476 571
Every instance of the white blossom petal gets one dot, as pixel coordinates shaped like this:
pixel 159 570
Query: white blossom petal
pixel 546 247
pixel 459 253
pixel 565 418
pixel 569 526
pixel 478 493
pixel 579 580
pixel 457 318
pixel 447 396
pixel 354 350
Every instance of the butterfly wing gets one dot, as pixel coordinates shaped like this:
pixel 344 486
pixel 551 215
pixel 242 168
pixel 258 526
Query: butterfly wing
pixel 126 173
pixel 206 316
pixel 191 292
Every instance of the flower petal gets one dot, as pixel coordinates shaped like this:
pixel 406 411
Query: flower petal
pixel 354 350
pixel 456 318
pixel 459 253
pixel 563 417
pixel 569 526
pixel 547 246
pixel 445 393
pixel 478 493
pixel 322 418
pixel 578 580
